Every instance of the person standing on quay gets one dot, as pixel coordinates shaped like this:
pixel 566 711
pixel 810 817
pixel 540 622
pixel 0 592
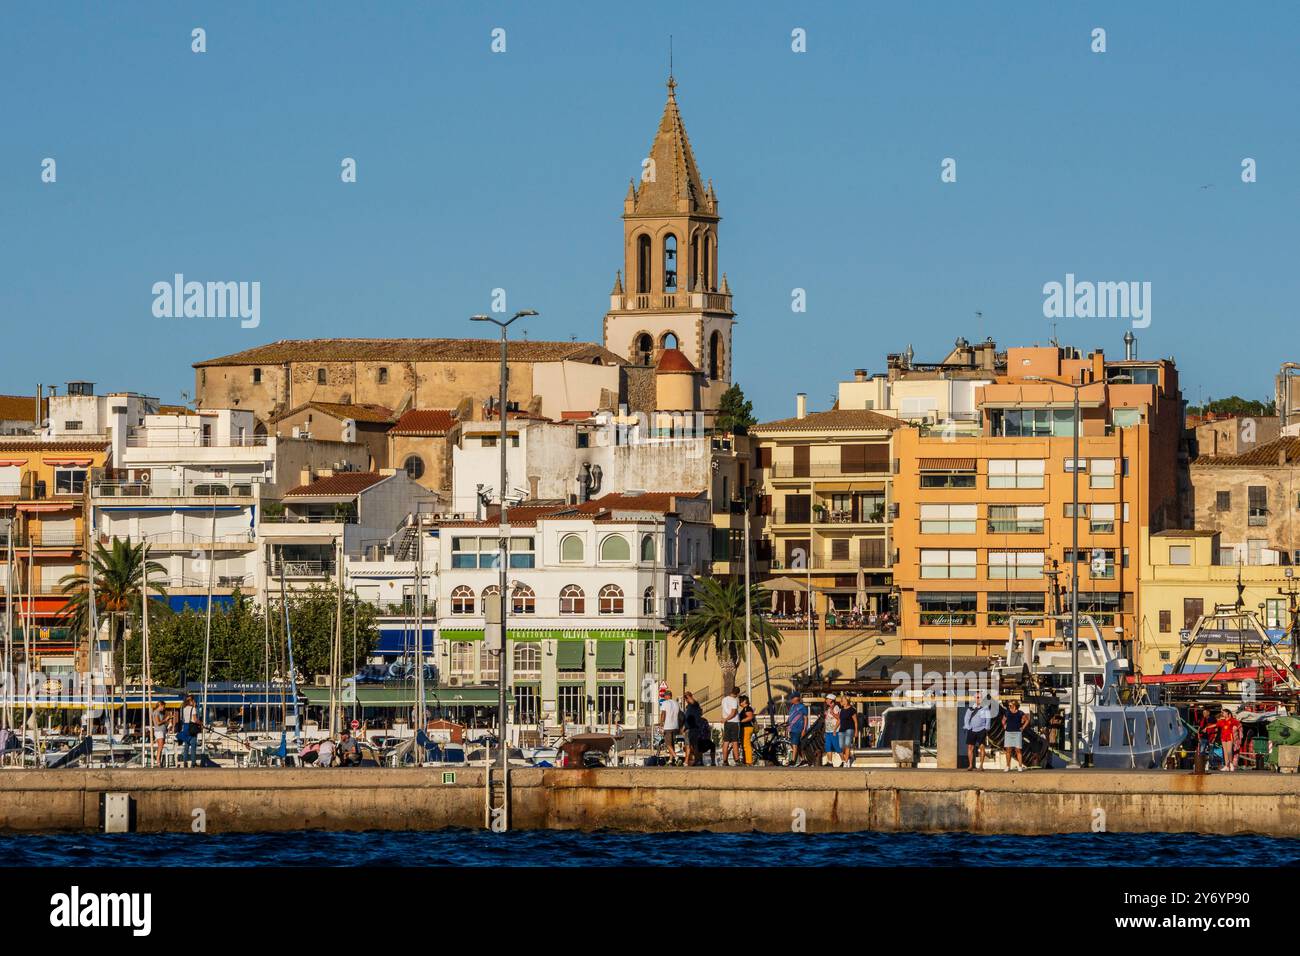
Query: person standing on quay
pixel 746 730
pixel 848 729
pixel 1230 738
pixel 796 723
pixel 190 728
pixel 831 726
pixel 730 726
pixel 1013 726
pixel 977 732
pixel 159 721
pixel 669 719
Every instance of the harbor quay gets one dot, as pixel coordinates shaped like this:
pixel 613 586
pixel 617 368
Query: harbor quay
pixel 642 799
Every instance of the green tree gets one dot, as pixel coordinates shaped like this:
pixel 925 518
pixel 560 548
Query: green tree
pixel 311 617
pixel 735 414
pixel 118 576
pixel 717 624
pixel 1236 405
pixel 176 642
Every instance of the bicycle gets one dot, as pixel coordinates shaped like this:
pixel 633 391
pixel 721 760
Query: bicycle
pixel 772 745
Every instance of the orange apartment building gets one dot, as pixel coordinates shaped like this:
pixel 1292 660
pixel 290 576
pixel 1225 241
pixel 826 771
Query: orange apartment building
pixel 43 486
pixel 984 522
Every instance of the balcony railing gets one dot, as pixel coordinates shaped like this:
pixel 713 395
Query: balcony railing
pixel 308 519
pixel 674 300
pixel 788 469
pixel 303 569
pixel 827 516
pixel 173 489
pixel 171 539
pixel 137 440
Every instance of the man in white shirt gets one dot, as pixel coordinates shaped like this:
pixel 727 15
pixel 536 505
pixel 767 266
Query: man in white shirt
pixel 670 723
pixel 730 726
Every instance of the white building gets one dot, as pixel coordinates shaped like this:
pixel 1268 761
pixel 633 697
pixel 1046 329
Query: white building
pixel 591 589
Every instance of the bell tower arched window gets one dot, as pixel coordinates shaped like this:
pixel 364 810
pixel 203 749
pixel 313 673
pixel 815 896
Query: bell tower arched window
pixel 670 263
pixel 715 356
pixel 645 348
pixel 642 263
pixel 707 268
pixel 668 340
pixel 695 261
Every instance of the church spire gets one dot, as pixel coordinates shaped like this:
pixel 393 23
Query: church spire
pixel 673 183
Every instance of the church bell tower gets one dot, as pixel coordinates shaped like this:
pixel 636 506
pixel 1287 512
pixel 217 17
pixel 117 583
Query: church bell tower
pixel 670 293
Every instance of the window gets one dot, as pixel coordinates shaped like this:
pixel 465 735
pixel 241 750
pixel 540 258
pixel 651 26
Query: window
pixel 1125 417
pixel 572 600
pixel 571 703
pixel 648 602
pixel 475 553
pixel 670 263
pixel 1032 422
pixel 320 376
pixel 614 547
pixel 1102 473
pixel 1016 473
pixel 1223 501
pixel 1258 505
pixel 611 599
pixel 839 549
pixel 382 376
pixel 1275 615
pixel 1107 571
pixel 462 659
pixel 953 609
pixel 491 596
pixel 488 668
pixel 414 466
pixel 1103 606
pixel 488 441
pixel 648 547
pixel 1016 519
pixel 609 703
pixel 948 519
pixel 462 599
pixel 257 376
pixel 523 600
pixel 1180 554
pixel 584 439
pixel 526 659
pixel 645 347
pixel 527 703
pixel 941 563
pixel 69 481
pixel 72 425
pixel 1166 621
pixel 1002 606
pixel 934 478
pixel 643 264
pixel 523 552
pixel 1004 565
pixel 571 548
pixel 1102 519
pixel 715 356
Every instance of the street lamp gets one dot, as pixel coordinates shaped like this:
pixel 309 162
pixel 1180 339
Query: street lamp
pixel 503 529
pixel 1074 571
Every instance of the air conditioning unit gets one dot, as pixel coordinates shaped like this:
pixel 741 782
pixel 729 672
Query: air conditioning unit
pixel 322 680
pixel 453 681
pixel 1211 653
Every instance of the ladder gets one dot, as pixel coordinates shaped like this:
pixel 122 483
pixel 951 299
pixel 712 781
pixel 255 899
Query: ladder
pixel 496 811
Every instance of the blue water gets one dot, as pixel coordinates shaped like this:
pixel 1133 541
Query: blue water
pixel 571 848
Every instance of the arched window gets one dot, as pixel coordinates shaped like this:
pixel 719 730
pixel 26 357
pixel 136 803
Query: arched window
pixel 706 268
pixel 695 261
pixel 462 658
pixel 462 599
pixel 572 600
pixel 523 600
pixel 648 602
pixel 668 340
pixel 643 263
pixel 414 466
pixel 527 658
pixel 571 547
pixel 647 547
pixel 615 548
pixel 320 376
pixel 491 593
pixel 670 263
pixel 715 356
pixel 645 349
pixel 611 599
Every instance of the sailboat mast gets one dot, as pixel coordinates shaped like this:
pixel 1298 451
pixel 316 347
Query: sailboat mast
pixel 288 637
pixel 147 698
pixel 207 624
pixel 418 722
pixel 92 628
pixel 336 651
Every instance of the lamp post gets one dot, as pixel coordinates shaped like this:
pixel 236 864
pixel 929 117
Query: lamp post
pixel 503 528
pixel 1074 573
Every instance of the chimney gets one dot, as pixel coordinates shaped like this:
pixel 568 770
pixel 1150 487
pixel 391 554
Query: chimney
pixel 38 407
pixel 304 476
pixel 801 405
pixel 859 375
pixel 1130 346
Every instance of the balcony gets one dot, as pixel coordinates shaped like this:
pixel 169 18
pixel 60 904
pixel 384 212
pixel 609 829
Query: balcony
pixel 151 438
pixel 662 301
pixel 287 518
pixel 303 569
pixel 827 516
pixel 206 490
pixel 789 469
pixel 187 540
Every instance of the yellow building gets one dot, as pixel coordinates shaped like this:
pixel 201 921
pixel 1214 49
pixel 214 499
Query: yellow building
pixel 43 489
pixel 1182 578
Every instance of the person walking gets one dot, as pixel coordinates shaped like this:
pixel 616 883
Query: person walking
pixel 848 729
pixel 669 723
pixel 1013 727
pixel 831 727
pixel 1230 738
pixel 795 725
pixel 191 728
pixel 746 730
pixel 977 732
pixel 730 726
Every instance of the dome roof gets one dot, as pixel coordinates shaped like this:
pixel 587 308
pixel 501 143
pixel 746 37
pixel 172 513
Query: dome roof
pixel 674 360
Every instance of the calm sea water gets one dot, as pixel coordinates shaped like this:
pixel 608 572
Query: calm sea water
pixel 569 848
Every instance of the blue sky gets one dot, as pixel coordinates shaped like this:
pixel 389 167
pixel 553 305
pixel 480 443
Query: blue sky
pixel 479 170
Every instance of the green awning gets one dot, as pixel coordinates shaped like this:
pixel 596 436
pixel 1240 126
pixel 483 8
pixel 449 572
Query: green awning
pixel 456 634
pixel 609 656
pixel 569 655
pixel 378 695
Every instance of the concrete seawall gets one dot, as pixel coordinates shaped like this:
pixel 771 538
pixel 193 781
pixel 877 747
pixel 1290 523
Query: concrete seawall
pixel 662 799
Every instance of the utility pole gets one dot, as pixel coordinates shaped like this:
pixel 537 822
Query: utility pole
pixel 336 651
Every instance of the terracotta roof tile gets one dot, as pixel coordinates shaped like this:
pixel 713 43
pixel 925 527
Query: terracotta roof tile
pixel 33 444
pixel 19 408
pixel 675 360
pixel 346 483
pixel 414 350
pixel 425 422
pixel 357 411
pixel 837 419
pixel 1260 456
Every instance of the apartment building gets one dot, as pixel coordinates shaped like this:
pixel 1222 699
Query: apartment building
pixel 826 501
pixel 985 523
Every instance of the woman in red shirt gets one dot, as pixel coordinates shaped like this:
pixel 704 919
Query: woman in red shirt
pixel 1230 737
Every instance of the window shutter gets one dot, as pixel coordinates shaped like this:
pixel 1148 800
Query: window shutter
pixel 802 459
pixel 853 459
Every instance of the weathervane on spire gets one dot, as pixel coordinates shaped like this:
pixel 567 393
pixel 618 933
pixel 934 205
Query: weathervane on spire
pixel 672 84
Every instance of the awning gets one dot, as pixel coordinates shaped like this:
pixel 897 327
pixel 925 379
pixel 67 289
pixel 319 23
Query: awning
pixel 946 464
pixel 569 655
pixel 403 695
pixel 784 584
pixel 12 462
pixel 80 462
pixel 609 656
pixel 555 634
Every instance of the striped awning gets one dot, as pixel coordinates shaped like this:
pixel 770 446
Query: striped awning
pixel 69 461
pixel 946 464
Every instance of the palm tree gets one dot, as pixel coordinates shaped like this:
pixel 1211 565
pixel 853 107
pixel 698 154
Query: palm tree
pixel 118 575
pixel 718 623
